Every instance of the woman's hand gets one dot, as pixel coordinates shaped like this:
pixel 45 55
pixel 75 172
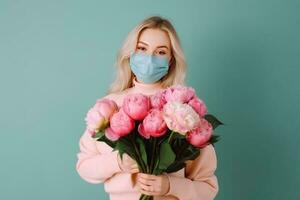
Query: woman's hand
pixel 153 185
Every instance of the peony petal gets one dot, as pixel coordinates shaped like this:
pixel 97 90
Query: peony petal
pixel 111 135
pixel 142 131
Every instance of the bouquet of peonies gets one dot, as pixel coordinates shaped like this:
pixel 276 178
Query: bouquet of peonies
pixel 160 132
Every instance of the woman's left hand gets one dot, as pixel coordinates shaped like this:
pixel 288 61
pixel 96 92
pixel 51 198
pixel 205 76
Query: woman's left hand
pixel 153 185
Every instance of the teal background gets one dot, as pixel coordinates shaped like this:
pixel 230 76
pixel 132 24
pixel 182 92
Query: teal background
pixel 56 59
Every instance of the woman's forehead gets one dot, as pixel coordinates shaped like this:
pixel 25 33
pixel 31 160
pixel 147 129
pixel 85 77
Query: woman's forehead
pixel 154 37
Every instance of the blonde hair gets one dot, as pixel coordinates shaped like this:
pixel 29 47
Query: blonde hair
pixel 177 69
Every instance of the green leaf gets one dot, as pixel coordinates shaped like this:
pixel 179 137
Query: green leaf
pixel 142 149
pixel 166 155
pixel 124 146
pixel 213 139
pixel 184 151
pixel 99 134
pixel 156 170
pixel 213 120
pixel 175 167
pixel 178 136
pixel 110 143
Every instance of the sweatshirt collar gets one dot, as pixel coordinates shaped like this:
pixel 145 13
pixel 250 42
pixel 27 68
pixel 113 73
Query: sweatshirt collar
pixel 146 88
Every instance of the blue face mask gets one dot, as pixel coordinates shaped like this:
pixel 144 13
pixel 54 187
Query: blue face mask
pixel 148 68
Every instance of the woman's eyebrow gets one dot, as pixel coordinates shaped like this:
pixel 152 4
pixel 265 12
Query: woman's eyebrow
pixel 143 43
pixel 162 46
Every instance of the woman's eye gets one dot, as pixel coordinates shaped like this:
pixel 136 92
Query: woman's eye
pixel 161 53
pixel 142 48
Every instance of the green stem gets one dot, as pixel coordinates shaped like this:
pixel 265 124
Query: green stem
pixel 144 168
pixel 153 155
pixel 142 197
pixel 145 197
pixel 172 133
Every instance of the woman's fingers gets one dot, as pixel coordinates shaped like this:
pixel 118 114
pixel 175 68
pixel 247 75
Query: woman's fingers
pixel 147 187
pixel 147 176
pixel 147 184
pixel 145 181
pixel 148 193
pixel 152 184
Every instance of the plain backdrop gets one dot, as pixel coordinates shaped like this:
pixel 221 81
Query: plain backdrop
pixel 57 58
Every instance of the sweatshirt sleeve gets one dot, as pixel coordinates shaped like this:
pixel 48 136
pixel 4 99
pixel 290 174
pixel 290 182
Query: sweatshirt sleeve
pixel 92 165
pixel 200 182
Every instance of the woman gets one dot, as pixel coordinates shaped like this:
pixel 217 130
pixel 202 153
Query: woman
pixel 150 60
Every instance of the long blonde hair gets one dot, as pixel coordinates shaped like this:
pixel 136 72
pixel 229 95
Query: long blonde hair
pixel 177 69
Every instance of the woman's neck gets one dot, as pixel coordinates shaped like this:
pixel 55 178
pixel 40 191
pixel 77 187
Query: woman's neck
pixel 146 88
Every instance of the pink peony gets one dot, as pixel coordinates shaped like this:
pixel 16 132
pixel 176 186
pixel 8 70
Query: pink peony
pixel 111 135
pixel 201 134
pixel 158 100
pixel 120 125
pixel 180 117
pixel 153 124
pixel 97 118
pixel 136 106
pixel 198 105
pixel 179 93
pixel 107 107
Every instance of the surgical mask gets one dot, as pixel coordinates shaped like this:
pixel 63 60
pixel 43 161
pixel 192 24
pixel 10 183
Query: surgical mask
pixel 148 68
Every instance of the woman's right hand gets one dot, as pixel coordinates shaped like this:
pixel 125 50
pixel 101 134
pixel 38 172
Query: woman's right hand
pixel 127 164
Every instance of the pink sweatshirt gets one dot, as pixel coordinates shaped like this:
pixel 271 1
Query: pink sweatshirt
pixel 97 163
